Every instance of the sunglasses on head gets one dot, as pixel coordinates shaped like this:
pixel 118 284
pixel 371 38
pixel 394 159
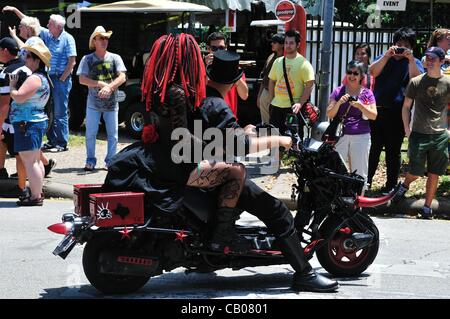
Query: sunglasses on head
pixel 351 72
pixel 215 48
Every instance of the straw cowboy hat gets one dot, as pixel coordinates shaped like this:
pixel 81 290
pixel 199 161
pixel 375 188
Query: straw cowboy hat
pixel 41 51
pixel 99 30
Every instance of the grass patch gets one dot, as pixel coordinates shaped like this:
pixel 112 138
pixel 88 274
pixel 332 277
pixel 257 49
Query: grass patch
pixel 287 160
pixel 77 139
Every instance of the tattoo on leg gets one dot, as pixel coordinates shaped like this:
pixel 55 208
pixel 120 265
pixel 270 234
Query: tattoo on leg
pixel 212 177
pixel 230 191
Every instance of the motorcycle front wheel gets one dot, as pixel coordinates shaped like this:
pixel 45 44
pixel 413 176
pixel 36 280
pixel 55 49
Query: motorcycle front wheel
pixel 339 256
pixel 107 283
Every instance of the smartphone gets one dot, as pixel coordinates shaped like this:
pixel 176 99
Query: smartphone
pixel 399 50
pixel 352 99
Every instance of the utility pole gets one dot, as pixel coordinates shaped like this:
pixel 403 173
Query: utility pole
pixel 325 58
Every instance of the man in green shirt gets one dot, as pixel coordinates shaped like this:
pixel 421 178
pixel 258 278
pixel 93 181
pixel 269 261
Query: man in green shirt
pixel 428 135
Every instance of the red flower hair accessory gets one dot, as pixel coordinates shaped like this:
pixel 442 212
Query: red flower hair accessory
pixel 149 134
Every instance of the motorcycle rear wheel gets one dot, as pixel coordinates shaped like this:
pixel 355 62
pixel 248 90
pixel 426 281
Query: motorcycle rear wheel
pixel 338 258
pixel 107 283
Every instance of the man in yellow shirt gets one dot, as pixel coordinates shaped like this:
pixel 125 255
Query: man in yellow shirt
pixel 300 74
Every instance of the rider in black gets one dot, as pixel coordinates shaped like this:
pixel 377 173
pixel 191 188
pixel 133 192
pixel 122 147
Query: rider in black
pixel 214 112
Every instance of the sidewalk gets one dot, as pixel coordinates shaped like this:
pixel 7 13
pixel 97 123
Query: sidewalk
pixel 70 164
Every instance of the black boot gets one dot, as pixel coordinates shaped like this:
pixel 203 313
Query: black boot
pixel 305 278
pixel 223 238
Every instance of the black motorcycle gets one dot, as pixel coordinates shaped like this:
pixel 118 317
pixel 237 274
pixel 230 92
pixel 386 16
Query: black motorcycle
pixel 329 219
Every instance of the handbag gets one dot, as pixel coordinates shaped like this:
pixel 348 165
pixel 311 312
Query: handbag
pixel 309 113
pixel 335 130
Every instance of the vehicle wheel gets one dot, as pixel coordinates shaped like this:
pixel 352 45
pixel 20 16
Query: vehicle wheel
pixel 107 283
pixel 338 257
pixel 134 119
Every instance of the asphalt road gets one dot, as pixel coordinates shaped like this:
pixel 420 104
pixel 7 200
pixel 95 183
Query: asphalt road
pixel 413 262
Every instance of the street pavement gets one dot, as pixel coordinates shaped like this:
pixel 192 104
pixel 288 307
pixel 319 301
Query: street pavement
pixel 413 262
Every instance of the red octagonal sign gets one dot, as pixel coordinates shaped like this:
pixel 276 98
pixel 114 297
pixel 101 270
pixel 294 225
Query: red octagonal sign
pixel 285 11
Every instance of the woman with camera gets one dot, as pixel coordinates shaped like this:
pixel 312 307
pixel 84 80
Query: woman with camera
pixel 29 119
pixel 355 105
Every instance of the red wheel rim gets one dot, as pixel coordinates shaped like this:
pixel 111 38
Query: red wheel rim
pixel 343 255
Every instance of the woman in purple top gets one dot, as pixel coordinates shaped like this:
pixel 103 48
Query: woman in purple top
pixel 356 104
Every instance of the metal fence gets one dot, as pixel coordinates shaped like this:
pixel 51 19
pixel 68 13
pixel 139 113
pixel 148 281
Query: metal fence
pixel 345 38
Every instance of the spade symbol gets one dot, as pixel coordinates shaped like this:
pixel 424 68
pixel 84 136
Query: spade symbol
pixel 122 211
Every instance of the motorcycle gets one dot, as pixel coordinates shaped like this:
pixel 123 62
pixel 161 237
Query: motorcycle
pixel 124 247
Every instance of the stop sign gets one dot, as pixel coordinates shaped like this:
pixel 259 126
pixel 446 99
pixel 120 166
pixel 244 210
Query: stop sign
pixel 285 10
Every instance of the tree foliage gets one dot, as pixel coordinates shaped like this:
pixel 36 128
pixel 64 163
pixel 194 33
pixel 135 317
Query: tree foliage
pixel 417 15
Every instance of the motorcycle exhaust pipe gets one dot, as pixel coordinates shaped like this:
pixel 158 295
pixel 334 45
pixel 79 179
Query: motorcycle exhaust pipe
pixel 127 264
pixel 362 240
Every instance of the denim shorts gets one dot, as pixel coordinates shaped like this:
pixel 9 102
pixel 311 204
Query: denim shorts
pixel 29 138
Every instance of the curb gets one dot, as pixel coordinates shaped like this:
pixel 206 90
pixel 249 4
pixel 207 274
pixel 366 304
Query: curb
pixel 408 206
pixel 51 189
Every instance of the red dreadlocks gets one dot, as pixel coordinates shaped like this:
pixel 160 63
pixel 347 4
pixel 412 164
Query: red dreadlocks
pixel 174 59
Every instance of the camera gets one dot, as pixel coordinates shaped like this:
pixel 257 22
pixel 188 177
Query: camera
pixel 399 50
pixel 352 99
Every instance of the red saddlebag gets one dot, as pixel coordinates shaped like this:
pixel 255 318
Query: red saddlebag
pixel 117 209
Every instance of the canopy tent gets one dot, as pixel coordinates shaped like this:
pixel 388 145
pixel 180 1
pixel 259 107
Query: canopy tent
pixel 432 2
pixel 241 5
pixel 143 6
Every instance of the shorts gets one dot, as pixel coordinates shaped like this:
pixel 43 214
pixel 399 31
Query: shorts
pixel 9 142
pixel 31 138
pixel 431 149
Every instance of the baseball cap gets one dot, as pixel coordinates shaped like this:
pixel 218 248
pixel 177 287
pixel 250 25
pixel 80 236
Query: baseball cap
pixel 435 52
pixel 9 43
pixel 278 37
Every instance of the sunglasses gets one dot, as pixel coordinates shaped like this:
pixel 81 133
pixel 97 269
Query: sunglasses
pixel 215 48
pixel 102 38
pixel 354 73
pixel 29 56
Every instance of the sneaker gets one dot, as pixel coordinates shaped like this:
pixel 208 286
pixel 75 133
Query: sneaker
pixel 400 193
pixel 58 148
pixel 3 173
pixel 89 167
pixel 48 168
pixel 47 147
pixel 426 213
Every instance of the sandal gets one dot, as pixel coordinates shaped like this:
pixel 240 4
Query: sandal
pixel 89 167
pixel 24 194
pixel 31 202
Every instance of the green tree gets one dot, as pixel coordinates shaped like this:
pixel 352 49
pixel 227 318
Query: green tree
pixel 417 15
